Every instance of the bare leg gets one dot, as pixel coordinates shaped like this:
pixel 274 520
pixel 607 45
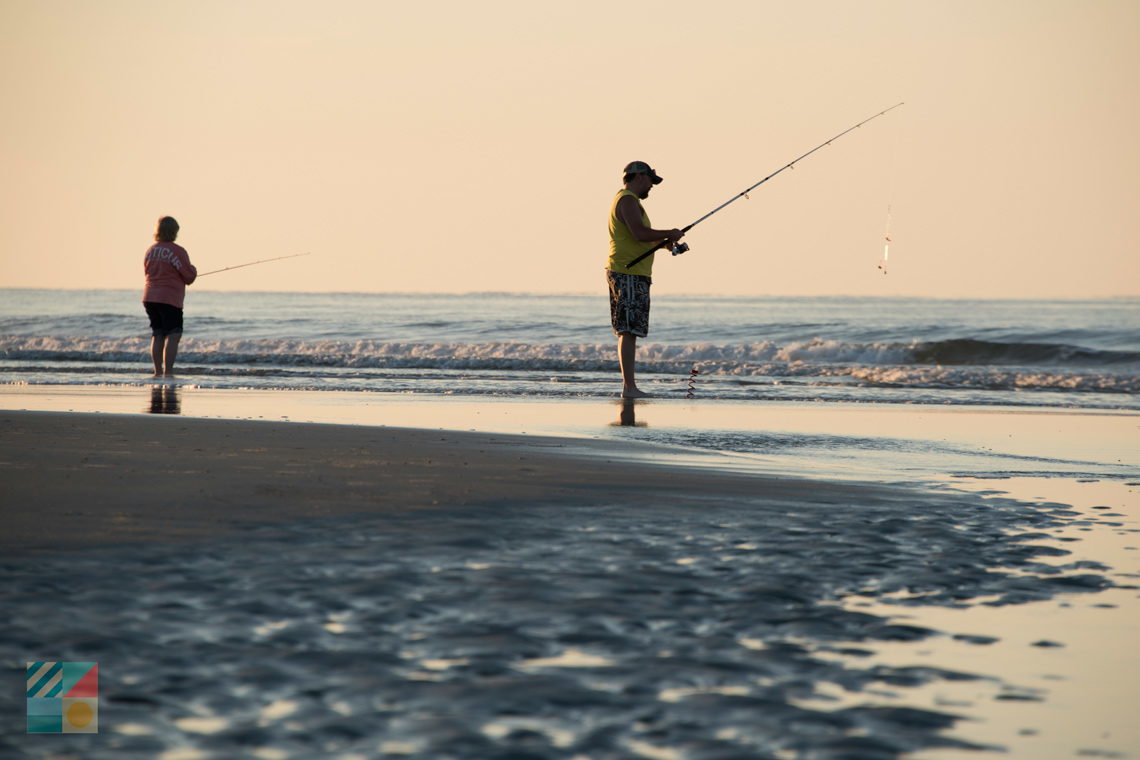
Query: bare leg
pixel 170 353
pixel 156 345
pixel 627 350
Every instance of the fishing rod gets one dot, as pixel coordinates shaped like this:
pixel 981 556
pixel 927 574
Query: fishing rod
pixel 251 263
pixel 679 248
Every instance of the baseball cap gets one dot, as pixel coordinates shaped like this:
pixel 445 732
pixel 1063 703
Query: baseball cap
pixel 640 167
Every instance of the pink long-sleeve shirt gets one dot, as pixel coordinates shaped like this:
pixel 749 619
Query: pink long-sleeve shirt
pixel 168 272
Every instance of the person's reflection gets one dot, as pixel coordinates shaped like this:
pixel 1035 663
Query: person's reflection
pixel 164 400
pixel 628 416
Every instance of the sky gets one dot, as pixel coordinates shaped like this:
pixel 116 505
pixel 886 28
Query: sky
pixel 455 146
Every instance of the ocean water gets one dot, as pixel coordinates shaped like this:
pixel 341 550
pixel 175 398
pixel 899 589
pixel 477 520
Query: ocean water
pixel 1063 354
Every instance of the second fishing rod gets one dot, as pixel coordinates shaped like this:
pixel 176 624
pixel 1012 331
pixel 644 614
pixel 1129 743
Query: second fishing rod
pixel 679 248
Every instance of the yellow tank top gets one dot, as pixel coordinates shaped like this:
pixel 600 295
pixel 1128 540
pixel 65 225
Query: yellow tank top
pixel 624 247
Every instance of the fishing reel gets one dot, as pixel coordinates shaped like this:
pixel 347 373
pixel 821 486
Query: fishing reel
pixel 679 248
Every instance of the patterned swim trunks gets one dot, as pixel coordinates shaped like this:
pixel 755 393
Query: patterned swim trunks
pixel 629 303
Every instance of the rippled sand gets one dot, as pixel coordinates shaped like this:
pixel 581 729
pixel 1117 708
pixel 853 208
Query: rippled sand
pixel 278 590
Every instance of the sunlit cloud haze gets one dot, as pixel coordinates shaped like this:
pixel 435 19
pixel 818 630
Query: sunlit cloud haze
pixel 459 146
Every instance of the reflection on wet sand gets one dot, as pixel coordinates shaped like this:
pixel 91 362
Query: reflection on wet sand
pixel 164 399
pixel 628 415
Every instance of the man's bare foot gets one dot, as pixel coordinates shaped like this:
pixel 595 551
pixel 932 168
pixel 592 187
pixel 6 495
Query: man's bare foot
pixel 633 393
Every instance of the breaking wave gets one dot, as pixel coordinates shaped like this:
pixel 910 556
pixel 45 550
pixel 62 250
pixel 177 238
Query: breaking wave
pixel 970 351
pixel 974 364
pixel 555 355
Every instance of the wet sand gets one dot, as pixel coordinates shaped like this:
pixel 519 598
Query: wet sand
pixel 281 590
pixel 84 480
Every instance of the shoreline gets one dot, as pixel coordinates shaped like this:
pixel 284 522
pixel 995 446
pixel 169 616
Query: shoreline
pixel 1095 435
pixel 1027 454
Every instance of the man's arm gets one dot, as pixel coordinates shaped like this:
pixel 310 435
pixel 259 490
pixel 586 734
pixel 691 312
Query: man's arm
pixel 629 212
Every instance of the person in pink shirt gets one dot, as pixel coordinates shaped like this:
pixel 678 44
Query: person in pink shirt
pixel 168 271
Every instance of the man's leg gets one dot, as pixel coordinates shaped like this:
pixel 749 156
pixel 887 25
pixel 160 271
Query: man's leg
pixel 170 353
pixel 627 350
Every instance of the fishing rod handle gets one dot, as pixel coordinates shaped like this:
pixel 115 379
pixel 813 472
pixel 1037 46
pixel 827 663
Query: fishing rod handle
pixel 657 247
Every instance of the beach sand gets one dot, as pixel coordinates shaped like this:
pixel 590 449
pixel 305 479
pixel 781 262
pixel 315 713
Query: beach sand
pixel 81 480
pixel 281 589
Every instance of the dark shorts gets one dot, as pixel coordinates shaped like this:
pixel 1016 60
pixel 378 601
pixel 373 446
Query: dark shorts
pixel 164 318
pixel 629 303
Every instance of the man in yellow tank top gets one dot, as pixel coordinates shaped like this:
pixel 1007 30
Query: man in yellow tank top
pixel 630 236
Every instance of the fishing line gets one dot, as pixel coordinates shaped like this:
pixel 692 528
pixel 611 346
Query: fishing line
pixel 887 243
pixel 251 263
pixel 680 248
pixel 883 263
